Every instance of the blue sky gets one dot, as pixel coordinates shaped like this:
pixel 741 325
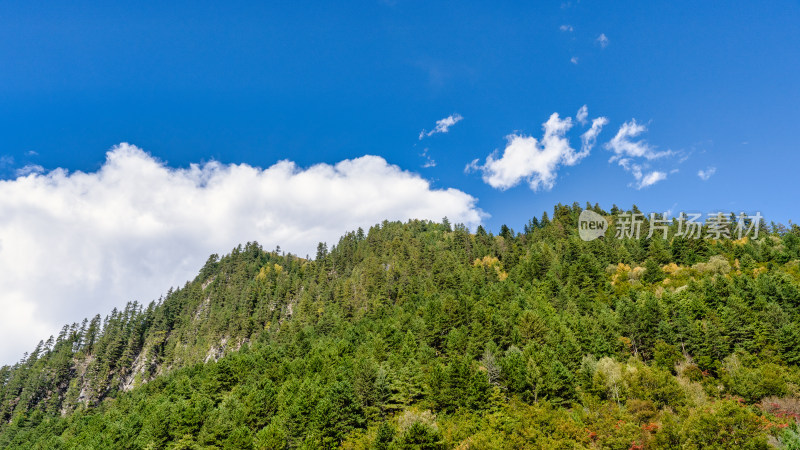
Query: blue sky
pixel 321 82
pixel 251 84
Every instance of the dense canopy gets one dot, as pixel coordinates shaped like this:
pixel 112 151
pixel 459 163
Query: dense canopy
pixel 427 335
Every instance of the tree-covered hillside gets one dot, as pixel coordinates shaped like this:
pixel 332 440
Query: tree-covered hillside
pixel 427 335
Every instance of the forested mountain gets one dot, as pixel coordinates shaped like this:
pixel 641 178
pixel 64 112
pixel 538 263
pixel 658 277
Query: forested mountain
pixel 425 335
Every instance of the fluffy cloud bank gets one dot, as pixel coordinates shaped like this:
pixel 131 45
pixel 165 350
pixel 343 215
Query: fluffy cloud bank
pixel 75 244
pixel 537 162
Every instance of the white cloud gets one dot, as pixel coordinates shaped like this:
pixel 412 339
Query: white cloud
pixel 537 162
pixel 76 244
pixel 567 28
pixel 29 169
pixel 589 138
pixel 583 113
pixel 442 125
pixel 603 40
pixel 429 162
pixel 574 60
pixel 642 179
pixel 706 174
pixel 627 152
pixel 623 146
pixel 652 178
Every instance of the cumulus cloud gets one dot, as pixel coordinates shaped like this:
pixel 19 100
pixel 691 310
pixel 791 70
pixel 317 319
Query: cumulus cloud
pixel 574 60
pixel 535 161
pixel 75 244
pixel 706 174
pixel 603 40
pixel 567 28
pixel 442 125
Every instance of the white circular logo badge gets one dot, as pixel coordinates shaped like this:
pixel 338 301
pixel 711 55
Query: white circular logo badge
pixel 591 225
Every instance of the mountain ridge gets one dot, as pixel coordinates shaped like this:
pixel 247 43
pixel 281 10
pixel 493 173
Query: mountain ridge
pixel 422 333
